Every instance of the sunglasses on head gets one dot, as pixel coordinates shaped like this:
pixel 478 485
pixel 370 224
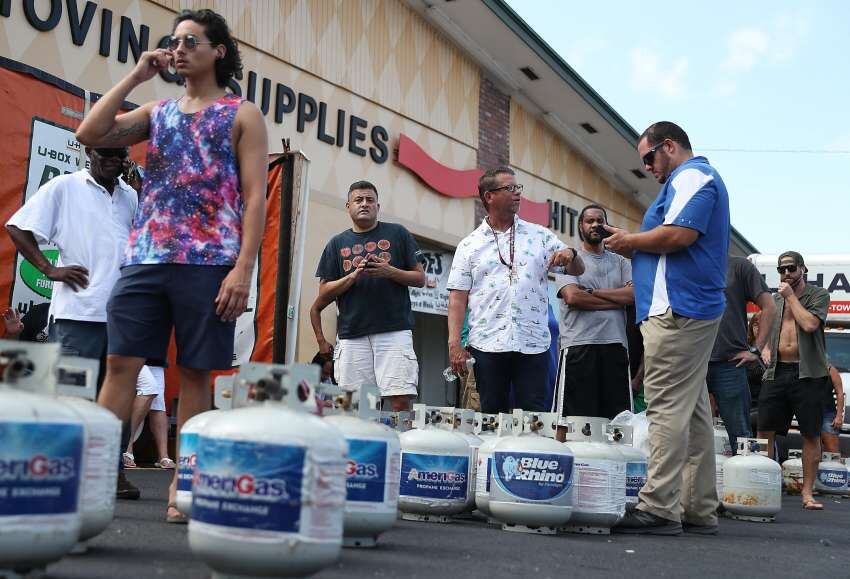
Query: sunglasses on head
pixel 649 158
pixel 112 153
pixel 190 42
pixel 789 268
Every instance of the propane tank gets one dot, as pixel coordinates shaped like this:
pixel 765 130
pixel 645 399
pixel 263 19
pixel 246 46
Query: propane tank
pixel 719 463
pixel 40 520
pixel 792 472
pixel 832 475
pixel 464 425
pixel 721 439
pixel 434 468
pixel 269 488
pixel 371 504
pixel 636 460
pixel 599 490
pixel 752 483
pixel 103 441
pixel 531 474
pixel 188 456
pixel 500 425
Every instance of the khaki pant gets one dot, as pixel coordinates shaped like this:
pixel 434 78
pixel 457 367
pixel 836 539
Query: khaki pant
pixel 681 473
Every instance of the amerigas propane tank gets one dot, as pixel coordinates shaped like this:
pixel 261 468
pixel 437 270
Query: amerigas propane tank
pixel 636 460
pixel 752 483
pixel 599 490
pixel 269 488
pixel 531 488
pixel 41 460
pixel 501 425
pixel 371 504
pixel 831 478
pixel 464 425
pixel 434 468
pixel 792 472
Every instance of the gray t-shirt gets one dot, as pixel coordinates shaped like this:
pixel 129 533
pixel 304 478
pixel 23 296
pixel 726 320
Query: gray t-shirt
pixel 743 283
pixel 579 327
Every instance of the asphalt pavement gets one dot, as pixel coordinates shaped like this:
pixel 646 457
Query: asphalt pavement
pixel 139 544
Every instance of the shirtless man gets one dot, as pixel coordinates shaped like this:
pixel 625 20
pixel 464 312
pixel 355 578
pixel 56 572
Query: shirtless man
pixel 796 380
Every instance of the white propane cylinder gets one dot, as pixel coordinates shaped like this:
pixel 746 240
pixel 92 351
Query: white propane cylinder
pixel 434 468
pixel 531 488
pixel 372 473
pixel 599 493
pixel 103 439
pixel 187 457
pixel 464 426
pixel 41 461
pixel 637 462
pixel 269 488
pixel 500 426
pixel 752 483
pixel 719 463
pixel 792 472
pixel 831 478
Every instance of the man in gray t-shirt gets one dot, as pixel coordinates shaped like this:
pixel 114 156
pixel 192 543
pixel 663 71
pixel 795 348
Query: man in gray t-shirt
pixel 727 372
pixel 593 373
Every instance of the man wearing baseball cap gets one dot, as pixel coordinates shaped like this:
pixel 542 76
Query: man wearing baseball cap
pixel 796 380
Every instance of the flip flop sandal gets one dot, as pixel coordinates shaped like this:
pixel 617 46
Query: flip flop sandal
pixel 165 463
pixel 129 460
pixel 812 505
pixel 178 519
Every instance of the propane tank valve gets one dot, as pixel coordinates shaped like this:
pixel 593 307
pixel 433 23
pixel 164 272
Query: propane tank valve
pixel 586 430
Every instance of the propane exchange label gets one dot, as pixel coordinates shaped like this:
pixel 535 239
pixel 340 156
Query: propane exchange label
pixel 249 485
pixel 434 476
pixel 635 478
pixel 186 461
pixel 533 476
pixel 833 479
pixel 40 468
pixel 366 470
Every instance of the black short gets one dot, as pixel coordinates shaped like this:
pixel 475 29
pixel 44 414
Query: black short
pixel 787 396
pixel 149 300
pixel 595 380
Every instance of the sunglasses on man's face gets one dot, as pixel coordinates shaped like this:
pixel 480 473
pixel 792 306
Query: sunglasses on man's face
pixel 112 153
pixel 649 158
pixel 190 42
pixel 789 268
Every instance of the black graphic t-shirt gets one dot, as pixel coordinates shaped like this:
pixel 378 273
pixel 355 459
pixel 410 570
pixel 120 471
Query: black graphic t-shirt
pixel 371 305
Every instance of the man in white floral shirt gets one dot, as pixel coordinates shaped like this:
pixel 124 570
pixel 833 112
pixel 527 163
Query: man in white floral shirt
pixel 499 273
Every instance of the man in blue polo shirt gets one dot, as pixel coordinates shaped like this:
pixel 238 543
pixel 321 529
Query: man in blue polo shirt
pixel 679 275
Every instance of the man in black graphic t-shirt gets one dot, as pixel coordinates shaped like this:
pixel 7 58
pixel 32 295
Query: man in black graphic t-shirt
pixel 367 270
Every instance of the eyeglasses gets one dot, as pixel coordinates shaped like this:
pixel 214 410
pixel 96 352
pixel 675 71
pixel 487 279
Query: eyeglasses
pixel 190 42
pixel 789 268
pixel 649 158
pixel 112 153
pixel 509 188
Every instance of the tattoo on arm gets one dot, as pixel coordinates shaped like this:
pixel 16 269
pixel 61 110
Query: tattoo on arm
pixel 116 135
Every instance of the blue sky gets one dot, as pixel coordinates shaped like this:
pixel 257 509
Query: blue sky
pixel 741 75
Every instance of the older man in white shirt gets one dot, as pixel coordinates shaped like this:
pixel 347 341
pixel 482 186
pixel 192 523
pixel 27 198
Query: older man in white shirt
pixel 499 273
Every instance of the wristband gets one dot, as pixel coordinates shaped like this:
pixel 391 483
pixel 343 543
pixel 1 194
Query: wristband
pixel 575 253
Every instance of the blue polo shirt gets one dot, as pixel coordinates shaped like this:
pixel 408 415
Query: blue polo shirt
pixel 691 281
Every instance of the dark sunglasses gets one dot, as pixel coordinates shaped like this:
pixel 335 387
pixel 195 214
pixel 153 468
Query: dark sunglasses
pixel 190 42
pixel 649 158
pixel 112 153
pixel 789 268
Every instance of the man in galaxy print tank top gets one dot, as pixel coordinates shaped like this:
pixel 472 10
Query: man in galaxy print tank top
pixel 190 257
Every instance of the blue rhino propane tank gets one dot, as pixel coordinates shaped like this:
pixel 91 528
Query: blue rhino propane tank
pixel 831 477
pixel 752 483
pixel 599 485
pixel 374 454
pixel 636 460
pixel 531 487
pixel 500 425
pixel 269 489
pixel 465 425
pixel 41 460
pixel 434 468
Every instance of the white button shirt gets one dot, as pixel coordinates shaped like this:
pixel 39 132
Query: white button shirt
pixel 505 316
pixel 90 227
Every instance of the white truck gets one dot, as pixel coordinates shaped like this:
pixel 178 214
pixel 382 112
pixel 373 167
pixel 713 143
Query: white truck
pixel 832 272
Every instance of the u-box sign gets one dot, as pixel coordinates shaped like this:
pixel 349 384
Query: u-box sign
pixel 90 22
